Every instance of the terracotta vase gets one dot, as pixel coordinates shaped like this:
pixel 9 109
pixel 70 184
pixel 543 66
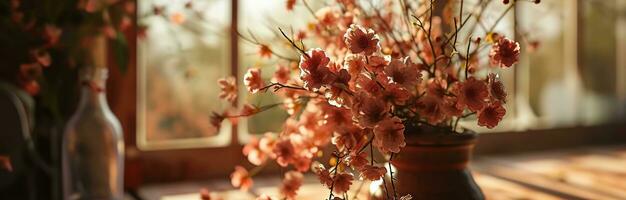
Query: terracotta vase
pixel 435 166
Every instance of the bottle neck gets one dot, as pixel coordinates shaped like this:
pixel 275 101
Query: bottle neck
pixel 93 95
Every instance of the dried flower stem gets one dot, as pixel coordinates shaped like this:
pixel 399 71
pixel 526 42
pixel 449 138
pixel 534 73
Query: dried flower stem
pixel 389 31
pixel 332 186
pixel 278 86
pixel 393 185
pixel 256 42
pixel 260 109
pixel 386 190
pixel 469 44
pixel 430 41
pixel 294 44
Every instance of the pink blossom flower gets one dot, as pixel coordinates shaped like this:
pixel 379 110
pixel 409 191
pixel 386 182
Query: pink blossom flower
pixel 252 79
pixel 504 52
pixel 496 88
pixel 323 175
pixel 403 73
pixel 372 173
pixel 291 184
pixel 389 135
pixel 450 107
pixel 228 89
pixel 313 69
pixel 342 182
pixel 473 93
pixel 241 179
pixel 491 115
pixel 216 119
pixel 346 3
pixel 5 163
pixel 52 34
pixel 395 94
pixel 264 197
pixel 361 40
pixel 358 161
pixel 429 107
pixel 254 153
pixel 436 88
pixel 302 164
pixel 339 89
pixel 347 137
pixel 285 152
pixel 265 51
pixel 248 109
pixel 30 71
pixel 31 87
pixel 42 57
pixel 205 194
pixel 266 144
pixel 336 116
pixel 377 63
pixel 290 4
pixel 327 16
pixel 369 111
pixel 367 84
pixel 282 74
pixel 354 63
pixel 177 18
pixel 301 35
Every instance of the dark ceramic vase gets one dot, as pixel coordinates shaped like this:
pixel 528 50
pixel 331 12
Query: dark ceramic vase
pixel 435 166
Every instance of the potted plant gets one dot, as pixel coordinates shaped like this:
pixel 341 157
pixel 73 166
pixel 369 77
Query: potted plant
pixel 393 79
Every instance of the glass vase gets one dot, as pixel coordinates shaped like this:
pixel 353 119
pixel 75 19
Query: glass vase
pixel 93 145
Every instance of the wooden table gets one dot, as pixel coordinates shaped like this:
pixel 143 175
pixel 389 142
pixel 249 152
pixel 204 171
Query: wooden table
pixel 584 173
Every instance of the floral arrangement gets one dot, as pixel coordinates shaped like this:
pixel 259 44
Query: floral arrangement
pixel 376 72
pixel 41 34
pixel 44 42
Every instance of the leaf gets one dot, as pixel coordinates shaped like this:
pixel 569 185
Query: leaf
pixel 120 52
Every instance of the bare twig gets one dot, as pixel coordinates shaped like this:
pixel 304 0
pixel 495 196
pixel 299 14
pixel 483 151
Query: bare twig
pixel 294 44
pixel 469 43
pixel 393 185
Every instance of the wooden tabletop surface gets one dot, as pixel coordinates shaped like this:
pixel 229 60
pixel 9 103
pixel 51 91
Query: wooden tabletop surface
pixel 583 173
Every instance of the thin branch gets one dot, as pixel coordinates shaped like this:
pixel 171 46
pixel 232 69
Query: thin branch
pixel 430 26
pixel 254 41
pixel 332 186
pixel 390 31
pixel 294 44
pixel 393 185
pixel 278 86
pixel 469 43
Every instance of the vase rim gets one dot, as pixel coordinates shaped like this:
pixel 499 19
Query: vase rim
pixel 431 137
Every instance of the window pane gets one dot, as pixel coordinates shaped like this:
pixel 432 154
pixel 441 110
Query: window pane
pixel 184 52
pixel 549 70
pixel 262 20
pixel 573 77
pixel 598 59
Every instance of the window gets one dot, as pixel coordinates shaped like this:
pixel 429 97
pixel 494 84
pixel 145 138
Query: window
pixel 575 77
pixel 182 55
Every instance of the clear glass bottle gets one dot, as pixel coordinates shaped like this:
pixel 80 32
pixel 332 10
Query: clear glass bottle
pixel 93 145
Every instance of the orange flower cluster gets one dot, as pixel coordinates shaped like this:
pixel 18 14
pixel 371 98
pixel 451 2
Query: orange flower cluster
pixel 373 72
